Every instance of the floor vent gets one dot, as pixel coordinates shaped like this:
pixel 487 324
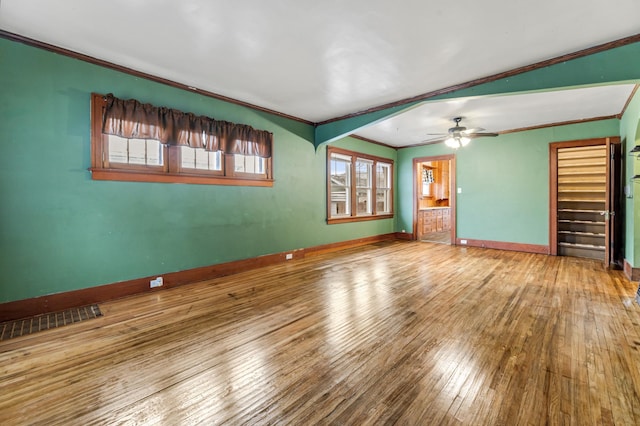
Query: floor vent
pixel 22 327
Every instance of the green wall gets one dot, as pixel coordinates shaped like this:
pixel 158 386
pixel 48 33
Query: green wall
pixel 630 134
pixel 60 230
pixel 504 181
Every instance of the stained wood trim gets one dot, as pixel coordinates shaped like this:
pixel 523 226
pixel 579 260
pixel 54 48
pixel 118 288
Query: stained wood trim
pixel 404 236
pixel 501 245
pixel 341 245
pixel 553 199
pixel 559 123
pixel 140 176
pixel 92 60
pixel 584 142
pixel 358 218
pixel 70 299
pixel 521 70
pixel 632 274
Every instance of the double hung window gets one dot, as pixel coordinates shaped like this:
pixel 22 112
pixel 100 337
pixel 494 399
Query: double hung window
pixel 359 186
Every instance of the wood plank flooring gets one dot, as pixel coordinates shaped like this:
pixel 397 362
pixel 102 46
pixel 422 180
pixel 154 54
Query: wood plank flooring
pixel 403 333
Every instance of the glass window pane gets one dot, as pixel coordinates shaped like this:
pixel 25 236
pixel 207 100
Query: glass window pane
pixel 363 173
pixel 215 160
pixel 199 158
pixel 363 201
pixel 383 175
pixel 154 152
pixel 340 186
pixel 187 157
pixel 249 164
pixel 137 151
pixel 340 201
pixel 118 149
pixel 202 159
pixel 383 202
pixel 239 164
pixel 260 165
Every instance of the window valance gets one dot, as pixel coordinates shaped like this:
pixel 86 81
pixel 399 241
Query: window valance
pixel 133 119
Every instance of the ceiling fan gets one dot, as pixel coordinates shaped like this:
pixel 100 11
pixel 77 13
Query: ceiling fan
pixel 459 135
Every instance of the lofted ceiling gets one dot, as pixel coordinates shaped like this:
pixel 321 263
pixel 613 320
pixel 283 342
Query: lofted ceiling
pixel 321 60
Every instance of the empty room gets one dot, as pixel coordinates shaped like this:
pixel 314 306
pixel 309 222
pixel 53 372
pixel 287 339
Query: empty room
pixel 300 213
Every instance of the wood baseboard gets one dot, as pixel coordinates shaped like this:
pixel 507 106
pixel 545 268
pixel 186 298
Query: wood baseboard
pixel 69 299
pixel 404 236
pixel 500 245
pixel 632 274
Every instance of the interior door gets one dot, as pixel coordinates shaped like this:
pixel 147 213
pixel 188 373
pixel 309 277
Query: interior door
pixel 585 199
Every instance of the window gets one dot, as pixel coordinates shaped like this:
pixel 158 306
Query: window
pixel 126 144
pixel 354 181
pixel 383 188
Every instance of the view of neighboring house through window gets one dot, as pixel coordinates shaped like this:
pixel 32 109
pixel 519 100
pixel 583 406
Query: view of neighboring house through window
pixel 354 179
pixel 340 188
pixel 364 184
pixel 383 188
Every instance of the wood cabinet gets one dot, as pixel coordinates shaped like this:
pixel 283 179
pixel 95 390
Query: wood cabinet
pixel 442 181
pixel 434 220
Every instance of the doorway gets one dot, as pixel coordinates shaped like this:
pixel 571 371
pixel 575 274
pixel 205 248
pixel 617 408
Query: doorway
pixel 585 199
pixel 434 199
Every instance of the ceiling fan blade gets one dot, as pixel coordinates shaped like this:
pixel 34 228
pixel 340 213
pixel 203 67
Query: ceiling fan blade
pixel 473 130
pixel 436 134
pixel 481 135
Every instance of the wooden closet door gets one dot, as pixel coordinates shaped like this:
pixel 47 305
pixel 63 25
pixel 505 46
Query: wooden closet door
pixel 582 209
pixel 582 201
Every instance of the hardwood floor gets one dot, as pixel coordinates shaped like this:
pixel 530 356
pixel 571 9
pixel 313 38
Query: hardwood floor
pixel 398 332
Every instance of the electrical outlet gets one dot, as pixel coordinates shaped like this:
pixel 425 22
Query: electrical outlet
pixel 289 256
pixel 463 241
pixel 158 282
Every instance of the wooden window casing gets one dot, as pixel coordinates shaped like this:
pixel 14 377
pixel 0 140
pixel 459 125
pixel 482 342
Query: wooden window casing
pixel 352 186
pixel 172 170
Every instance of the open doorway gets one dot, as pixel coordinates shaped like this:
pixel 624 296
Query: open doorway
pixel 434 199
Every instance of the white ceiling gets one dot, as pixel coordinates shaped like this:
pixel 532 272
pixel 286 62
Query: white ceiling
pixel 500 113
pixel 318 60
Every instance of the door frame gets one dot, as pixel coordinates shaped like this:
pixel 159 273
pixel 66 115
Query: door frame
pixel 452 191
pixel 553 189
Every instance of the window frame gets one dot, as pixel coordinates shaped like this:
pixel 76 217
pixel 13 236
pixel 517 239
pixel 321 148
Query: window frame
pixel 353 215
pixel 172 170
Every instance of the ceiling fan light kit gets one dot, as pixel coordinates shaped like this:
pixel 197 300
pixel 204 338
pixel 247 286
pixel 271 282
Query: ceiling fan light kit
pixel 456 142
pixel 460 136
